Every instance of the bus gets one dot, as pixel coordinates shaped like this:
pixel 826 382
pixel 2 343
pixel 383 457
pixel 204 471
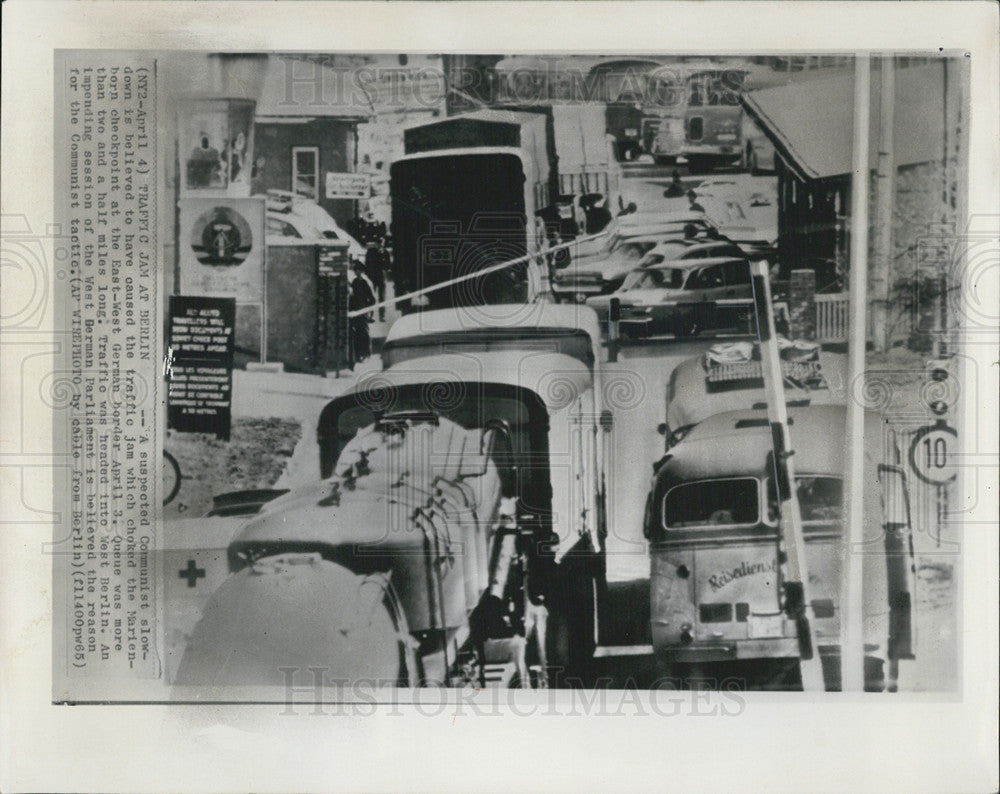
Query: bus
pixel 713 525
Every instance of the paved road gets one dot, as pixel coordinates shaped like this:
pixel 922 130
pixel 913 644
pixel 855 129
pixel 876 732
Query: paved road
pixel 635 391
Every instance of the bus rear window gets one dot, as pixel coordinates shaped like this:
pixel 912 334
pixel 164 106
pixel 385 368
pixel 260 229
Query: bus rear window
pixel 712 503
pixel 821 499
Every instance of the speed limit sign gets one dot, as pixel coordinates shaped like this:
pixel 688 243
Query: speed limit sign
pixel 932 453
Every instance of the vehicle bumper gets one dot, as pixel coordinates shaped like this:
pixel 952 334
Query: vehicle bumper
pixel 709 149
pixel 580 292
pixel 774 648
pixel 667 150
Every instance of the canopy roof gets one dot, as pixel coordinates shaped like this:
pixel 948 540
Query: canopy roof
pixel 812 123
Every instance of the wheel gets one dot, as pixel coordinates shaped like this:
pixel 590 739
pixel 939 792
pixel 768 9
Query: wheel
pixel 629 153
pixel 171 478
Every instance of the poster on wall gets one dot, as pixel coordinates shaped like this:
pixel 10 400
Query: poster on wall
pixel 221 248
pixel 216 145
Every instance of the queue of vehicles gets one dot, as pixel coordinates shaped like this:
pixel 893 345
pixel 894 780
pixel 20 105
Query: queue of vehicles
pixel 683 297
pixel 457 533
pixel 456 536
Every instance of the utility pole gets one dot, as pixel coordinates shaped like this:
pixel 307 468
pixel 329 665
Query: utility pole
pixel 852 590
pixel 885 194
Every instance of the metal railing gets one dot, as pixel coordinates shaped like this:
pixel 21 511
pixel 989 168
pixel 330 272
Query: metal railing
pixel 831 317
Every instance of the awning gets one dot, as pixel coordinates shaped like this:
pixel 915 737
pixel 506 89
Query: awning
pixel 812 123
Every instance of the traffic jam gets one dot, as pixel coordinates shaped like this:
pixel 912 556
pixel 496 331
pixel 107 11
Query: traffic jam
pixel 596 445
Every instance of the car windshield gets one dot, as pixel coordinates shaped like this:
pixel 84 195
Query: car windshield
pixel 280 228
pixel 633 252
pixel 666 251
pixel 569 342
pixel 611 243
pixel 660 278
pixel 712 503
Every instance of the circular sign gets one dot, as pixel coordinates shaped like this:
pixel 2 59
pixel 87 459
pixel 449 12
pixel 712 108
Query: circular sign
pixel 932 453
pixel 221 236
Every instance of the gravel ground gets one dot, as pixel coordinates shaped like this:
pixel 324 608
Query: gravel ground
pixel 255 457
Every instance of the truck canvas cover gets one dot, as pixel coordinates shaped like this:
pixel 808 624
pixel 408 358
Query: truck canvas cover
pixel 484 129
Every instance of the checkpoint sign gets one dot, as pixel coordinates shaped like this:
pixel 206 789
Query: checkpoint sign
pixel 932 453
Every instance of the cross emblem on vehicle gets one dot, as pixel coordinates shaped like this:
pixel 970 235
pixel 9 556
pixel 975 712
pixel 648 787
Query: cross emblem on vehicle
pixel 192 573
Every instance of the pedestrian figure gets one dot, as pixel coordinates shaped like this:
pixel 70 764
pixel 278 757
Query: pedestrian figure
pixel 676 188
pixel 693 198
pixel 375 268
pixel 598 214
pixel 362 296
pixel 203 164
pixel 354 227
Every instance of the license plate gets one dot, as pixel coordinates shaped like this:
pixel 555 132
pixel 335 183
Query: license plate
pixel 761 626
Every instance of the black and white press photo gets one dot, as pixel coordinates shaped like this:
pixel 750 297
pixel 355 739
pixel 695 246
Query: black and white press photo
pixel 517 376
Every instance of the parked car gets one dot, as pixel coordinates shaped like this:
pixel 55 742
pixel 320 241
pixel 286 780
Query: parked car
pixel 689 248
pixel 728 377
pixel 745 209
pixel 291 217
pixel 683 296
pixel 671 249
pixel 604 273
pixel 632 222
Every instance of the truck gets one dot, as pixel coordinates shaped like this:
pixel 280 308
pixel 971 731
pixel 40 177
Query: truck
pixel 480 189
pixel 455 536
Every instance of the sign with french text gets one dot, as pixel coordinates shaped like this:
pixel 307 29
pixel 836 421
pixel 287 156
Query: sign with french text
pixel 200 372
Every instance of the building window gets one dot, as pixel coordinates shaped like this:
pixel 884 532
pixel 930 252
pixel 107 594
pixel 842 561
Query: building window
pixel 305 171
